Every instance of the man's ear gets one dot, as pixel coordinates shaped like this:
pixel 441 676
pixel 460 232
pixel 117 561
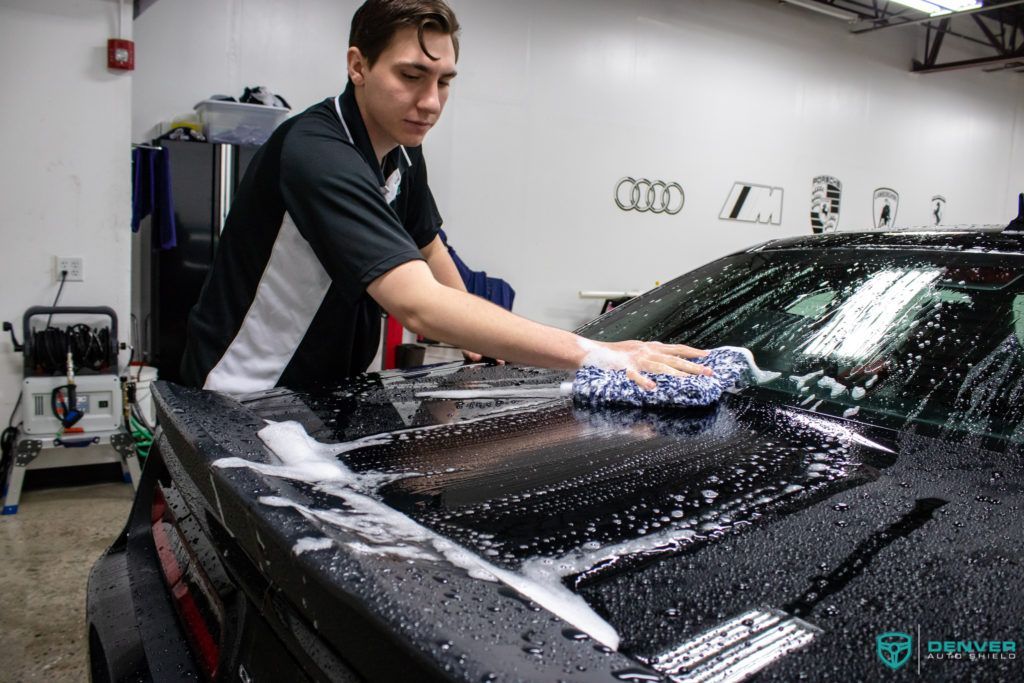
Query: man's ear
pixel 357 66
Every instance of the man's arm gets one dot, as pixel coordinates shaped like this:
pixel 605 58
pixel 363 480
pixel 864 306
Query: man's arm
pixel 444 270
pixel 411 293
pixel 441 264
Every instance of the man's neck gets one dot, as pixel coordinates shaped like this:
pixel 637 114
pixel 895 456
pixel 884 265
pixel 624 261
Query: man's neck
pixel 382 144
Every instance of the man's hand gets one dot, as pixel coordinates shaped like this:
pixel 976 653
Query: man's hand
pixel 655 358
pixel 477 357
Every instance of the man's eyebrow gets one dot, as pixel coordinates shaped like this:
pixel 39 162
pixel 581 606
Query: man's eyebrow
pixel 420 66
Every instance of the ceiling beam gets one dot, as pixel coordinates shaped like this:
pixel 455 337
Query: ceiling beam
pixel 992 38
pixel 876 25
pixel 920 68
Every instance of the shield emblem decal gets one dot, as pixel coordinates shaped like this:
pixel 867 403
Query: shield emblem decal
pixel 893 648
pixel 825 193
pixel 885 204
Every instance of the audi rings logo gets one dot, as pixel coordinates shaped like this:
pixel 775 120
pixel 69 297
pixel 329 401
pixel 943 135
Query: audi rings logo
pixel 654 196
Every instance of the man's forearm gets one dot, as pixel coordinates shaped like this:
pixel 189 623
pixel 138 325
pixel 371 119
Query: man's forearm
pixel 441 312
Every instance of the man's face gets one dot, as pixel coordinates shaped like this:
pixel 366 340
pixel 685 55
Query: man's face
pixel 401 96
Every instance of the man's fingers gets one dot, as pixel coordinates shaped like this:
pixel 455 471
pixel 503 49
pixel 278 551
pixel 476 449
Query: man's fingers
pixel 472 357
pixel 643 382
pixel 683 365
pixel 683 351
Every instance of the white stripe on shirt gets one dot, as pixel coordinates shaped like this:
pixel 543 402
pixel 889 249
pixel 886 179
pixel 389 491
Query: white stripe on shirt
pixel 289 294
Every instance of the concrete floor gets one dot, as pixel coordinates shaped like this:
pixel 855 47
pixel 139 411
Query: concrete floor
pixel 46 552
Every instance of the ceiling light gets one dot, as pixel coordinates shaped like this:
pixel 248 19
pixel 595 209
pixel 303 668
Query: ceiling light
pixel 825 9
pixel 937 8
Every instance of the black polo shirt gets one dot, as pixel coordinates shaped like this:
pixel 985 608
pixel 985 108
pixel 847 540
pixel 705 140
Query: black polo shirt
pixel 285 303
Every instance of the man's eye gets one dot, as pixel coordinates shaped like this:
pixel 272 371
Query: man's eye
pixel 410 77
pixel 444 84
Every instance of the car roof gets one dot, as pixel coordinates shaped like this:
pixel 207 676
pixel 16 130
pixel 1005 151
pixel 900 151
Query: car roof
pixel 962 238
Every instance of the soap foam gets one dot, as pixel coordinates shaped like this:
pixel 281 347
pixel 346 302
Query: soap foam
pixel 385 531
pixel 304 545
pixel 757 375
pixel 492 393
pixel 601 357
pixel 836 388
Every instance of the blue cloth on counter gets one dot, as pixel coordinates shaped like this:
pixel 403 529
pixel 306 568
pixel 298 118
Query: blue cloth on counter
pixel 595 386
pixel 151 194
pixel 494 289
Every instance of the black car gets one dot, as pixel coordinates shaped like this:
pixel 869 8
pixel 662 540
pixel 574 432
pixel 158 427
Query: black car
pixel 856 516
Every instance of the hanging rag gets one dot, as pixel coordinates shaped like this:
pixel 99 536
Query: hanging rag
pixel 596 387
pixel 494 289
pixel 151 193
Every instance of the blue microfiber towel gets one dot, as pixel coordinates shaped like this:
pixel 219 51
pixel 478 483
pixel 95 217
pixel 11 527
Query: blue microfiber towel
pixel 151 193
pixel 596 387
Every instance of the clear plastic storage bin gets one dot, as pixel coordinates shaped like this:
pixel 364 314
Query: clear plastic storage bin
pixel 237 123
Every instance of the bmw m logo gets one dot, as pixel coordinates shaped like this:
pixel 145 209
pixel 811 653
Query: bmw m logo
pixel 893 648
pixel 752 203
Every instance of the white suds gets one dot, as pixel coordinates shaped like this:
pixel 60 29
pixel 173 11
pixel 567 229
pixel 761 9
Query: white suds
pixel 304 545
pixel 385 531
pixel 601 357
pixel 835 387
pixel 757 375
pixel 801 380
pixel 857 393
pixel 850 412
pixel 404 552
pixel 563 389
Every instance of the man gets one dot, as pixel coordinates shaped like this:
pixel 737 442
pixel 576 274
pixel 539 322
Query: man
pixel 334 220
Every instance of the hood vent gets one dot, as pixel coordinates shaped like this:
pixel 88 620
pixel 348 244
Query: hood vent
pixel 736 649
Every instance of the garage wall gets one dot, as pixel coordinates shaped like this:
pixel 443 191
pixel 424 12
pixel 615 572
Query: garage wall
pixel 558 100
pixel 65 177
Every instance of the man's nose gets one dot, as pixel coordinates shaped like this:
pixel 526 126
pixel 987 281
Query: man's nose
pixel 431 100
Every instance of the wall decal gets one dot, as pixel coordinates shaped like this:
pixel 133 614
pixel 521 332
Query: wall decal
pixel 753 204
pixel 885 203
pixel 825 194
pixel 654 196
pixel 938 208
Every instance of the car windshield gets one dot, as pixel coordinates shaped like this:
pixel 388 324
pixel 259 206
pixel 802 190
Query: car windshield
pixel 882 336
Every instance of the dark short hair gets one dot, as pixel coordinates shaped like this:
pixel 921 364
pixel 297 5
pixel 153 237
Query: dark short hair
pixel 376 22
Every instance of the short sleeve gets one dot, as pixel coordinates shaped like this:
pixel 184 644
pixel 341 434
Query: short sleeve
pixel 335 202
pixel 422 219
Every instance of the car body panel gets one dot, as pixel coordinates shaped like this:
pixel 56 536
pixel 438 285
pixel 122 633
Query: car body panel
pixel 668 524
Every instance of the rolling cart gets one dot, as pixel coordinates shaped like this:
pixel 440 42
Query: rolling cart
pixel 73 418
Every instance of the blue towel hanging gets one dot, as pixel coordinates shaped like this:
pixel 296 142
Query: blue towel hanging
pixel 494 289
pixel 151 193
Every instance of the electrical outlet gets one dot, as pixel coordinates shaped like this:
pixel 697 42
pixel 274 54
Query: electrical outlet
pixel 72 264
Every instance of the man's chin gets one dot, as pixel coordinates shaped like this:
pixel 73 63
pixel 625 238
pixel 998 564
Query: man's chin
pixel 412 139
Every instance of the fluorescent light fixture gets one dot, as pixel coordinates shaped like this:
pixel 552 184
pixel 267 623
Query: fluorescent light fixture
pixel 937 8
pixel 831 11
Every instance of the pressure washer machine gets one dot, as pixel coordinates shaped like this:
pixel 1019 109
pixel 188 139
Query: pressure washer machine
pixel 72 397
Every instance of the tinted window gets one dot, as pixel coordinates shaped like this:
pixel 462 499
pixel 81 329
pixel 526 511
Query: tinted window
pixel 885 336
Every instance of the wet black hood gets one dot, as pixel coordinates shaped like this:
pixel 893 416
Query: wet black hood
pixel 667 523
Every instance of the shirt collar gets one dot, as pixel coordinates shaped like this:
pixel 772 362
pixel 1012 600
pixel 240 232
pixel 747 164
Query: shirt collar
pixel 361 138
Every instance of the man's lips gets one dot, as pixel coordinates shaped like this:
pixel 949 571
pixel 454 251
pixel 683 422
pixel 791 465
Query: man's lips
pixel 419 125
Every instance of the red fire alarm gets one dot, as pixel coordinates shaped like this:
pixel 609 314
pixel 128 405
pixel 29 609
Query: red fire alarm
pixel 120 54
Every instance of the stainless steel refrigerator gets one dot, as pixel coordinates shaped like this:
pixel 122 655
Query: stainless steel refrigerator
pixel 204 177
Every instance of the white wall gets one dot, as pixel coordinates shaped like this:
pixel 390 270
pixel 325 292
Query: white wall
pixel 188 50
pixel 558 100
pixel 65 177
